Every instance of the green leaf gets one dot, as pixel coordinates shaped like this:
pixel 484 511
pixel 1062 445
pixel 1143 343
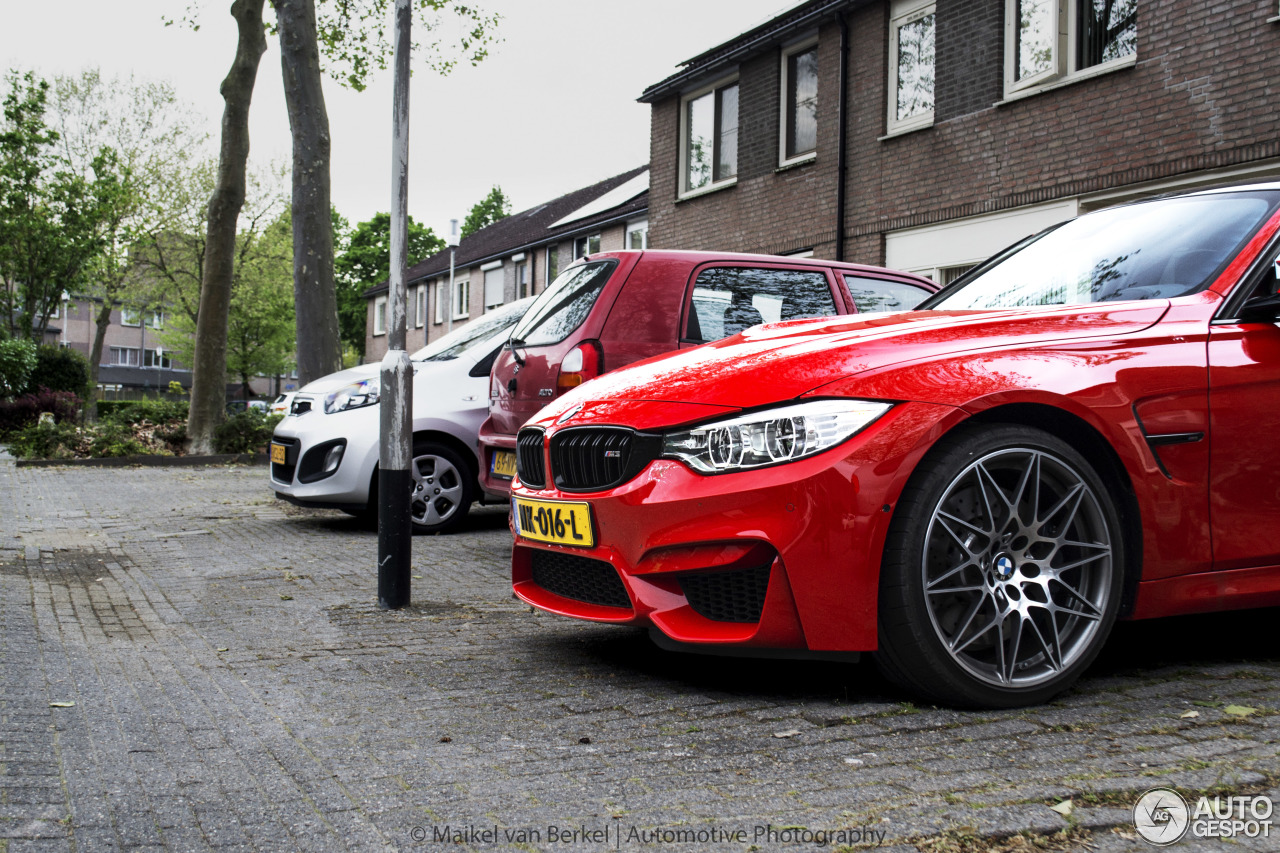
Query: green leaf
pixel 1239 710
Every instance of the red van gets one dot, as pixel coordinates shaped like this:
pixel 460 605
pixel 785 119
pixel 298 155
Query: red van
pixel 613 308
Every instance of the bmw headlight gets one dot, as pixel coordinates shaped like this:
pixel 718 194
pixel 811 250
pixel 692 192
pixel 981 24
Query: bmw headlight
pixel 353 396
pixel 771 436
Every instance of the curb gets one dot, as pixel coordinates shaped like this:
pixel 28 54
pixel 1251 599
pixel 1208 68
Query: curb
pixel 148 461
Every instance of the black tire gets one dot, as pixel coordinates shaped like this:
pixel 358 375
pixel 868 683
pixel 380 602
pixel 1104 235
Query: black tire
pixel 974 553
pixel 444 487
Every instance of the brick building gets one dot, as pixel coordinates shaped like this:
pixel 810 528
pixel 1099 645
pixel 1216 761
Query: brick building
pixel 516 256
pixel 928 134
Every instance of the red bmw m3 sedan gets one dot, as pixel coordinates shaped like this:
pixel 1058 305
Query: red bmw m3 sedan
pixel 1081 429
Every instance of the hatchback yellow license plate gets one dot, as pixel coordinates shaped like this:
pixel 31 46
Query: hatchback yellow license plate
pixel 557 522
pixel 279 453
pixel 504 464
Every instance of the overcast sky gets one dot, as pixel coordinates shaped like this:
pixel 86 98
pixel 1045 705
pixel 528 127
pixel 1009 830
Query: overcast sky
pixel 552 109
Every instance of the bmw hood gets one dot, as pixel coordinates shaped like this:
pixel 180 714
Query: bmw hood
pixel 781 361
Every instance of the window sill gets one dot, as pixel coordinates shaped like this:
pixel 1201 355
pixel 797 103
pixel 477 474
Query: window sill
pixel 904 131
pixel 462 316
pixel 796 162
pixel 379 334
pixel 1275 20
pixel 1087 74
pixel 712 188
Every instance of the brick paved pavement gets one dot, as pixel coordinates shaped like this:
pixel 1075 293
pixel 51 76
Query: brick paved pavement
pixel 186 663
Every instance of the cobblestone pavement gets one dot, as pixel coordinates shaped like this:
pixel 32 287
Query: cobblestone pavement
pixel 187 663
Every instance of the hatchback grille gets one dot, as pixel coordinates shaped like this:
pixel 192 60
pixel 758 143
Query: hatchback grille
pixel 588 459
pixel 530 462
pixel 735 596
pixel 579 578
pixel 284 473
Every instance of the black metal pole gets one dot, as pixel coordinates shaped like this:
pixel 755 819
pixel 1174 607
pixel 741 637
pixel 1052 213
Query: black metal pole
pixel 395 530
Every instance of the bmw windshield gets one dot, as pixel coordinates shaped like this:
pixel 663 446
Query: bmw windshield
pixel 1151 250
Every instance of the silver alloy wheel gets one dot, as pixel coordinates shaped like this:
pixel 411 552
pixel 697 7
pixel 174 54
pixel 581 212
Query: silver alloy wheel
pixel 1017 567
pixel 437 490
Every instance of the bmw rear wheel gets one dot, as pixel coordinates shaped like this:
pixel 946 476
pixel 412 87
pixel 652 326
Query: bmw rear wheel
pixel 1003 570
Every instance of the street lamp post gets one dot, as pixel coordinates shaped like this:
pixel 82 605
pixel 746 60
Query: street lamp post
pixel 395 530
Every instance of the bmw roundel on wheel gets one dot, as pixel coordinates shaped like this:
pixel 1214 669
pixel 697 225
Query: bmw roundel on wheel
pixel 974 490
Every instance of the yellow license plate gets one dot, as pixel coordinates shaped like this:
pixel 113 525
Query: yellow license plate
pixel 557 522
pixel 504 464
pixel 279 453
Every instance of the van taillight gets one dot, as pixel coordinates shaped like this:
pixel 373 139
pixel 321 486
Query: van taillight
pixel 580 364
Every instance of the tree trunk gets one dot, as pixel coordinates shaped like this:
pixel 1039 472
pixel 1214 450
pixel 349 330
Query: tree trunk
pixel 319 348
pixel 95 358
pixel 209 370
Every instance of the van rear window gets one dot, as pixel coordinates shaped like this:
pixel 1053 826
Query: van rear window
pixel 564 305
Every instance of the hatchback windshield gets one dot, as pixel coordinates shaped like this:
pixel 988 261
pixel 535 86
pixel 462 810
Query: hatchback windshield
pixel 460 340
pixel 1152 250
pixel 563 306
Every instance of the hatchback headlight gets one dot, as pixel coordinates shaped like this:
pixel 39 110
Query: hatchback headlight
pixel 353 396
pixel 771 436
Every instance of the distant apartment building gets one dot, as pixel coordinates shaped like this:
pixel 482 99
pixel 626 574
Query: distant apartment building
pixel 515 257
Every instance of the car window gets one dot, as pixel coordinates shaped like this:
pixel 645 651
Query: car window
pixel 564 305
pixel 1153 250
pixel 727 300
pixel 459 341
pixel 878 294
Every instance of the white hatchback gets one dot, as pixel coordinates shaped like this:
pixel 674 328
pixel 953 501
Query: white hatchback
pixel 325 452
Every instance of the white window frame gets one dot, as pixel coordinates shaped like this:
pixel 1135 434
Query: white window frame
pixel 420 307
pixel 156 320
pixel 784 112
pixel 1063 69
pixel 130 317
pixel 379 316
pixel 494 274
pixel 164 358
pixel 714 185
pixel 641 227
pixel 903 13
pixel 135 354
pixel 585 242
pixel 442 299
pixel 462 298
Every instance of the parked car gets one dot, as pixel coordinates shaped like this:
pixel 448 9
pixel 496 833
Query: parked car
pixel 235 407
pixel 325 452
pixel 280 405
pixel 614 308
pixel 1077 431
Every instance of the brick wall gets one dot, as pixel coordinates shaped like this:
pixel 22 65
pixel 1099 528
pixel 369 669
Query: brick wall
pixel 1202 95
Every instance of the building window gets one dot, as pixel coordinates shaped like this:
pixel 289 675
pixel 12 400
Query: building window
pixel 130 317
pixel 588 245
pixel 493 287
pixel 553 264
pixel 420 307
pixel 799 103
pixel 709 138
pixel 638 234
pixel 461 299
pixel 380 315
pixel 911 65
pixel 156 320
pixel 156 358
pixel 522 279
pixel 124 356
pixel 1052 40
pixel 442 299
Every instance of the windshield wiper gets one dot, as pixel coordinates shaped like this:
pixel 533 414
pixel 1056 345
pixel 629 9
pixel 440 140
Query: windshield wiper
pixel 512 343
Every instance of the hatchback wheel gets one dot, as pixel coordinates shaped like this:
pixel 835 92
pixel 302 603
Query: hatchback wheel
pixel 1002 571
pixel 443 488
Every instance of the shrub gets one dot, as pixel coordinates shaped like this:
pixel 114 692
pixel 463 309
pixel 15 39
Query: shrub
pixel 137 411
pixel 46 441
pixel 59 369
pixel 26 410
pixel 115 439
pixel 17 361
pixel 245 432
